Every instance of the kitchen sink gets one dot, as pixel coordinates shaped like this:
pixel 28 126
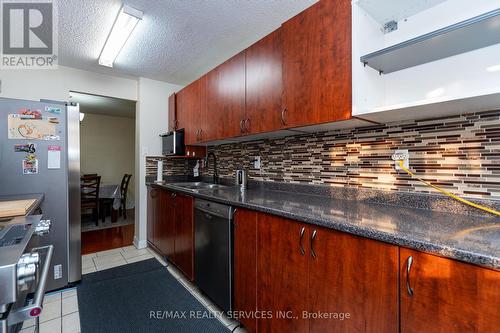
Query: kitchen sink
pixel 199 185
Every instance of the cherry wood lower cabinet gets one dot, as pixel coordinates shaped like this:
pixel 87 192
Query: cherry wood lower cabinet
pixel 355 277
pixel 165 230
pixel 245 266
pixel 305 272
pixel 171 227
pixel 151 215
pixel 447 296
pixel 184 235
pixel 282 275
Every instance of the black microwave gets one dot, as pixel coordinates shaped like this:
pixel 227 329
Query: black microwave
pixel 173 143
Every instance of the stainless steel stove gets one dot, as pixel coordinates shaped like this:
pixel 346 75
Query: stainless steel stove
pixel 24 267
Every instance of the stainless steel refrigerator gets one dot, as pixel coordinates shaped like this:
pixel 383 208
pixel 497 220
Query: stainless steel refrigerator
pixel 40 153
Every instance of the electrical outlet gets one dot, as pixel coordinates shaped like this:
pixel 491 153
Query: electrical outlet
pixel 401 154
pixel 57 272
pixel 256 162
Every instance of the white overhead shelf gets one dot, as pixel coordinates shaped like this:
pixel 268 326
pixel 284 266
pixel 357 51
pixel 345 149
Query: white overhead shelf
pixel 475 33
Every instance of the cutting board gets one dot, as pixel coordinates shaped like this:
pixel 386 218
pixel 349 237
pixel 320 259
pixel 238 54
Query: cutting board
pixel 15 207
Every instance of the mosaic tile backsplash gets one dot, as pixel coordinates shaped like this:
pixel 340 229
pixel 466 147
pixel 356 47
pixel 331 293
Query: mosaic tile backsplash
pixel 460 154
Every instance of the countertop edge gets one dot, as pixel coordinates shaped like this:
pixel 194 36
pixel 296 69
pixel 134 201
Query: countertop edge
pixel 39 197
pixel 482 260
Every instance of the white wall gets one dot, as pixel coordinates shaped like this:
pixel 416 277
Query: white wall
pixel 107 147
pixel 151 120
pixel 56 84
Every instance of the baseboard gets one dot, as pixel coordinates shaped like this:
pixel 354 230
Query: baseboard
pixel 140 244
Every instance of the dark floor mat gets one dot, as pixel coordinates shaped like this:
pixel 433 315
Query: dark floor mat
pixel 141 297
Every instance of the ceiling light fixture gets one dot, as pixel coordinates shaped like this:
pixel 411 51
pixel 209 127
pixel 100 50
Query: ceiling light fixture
pixel 494 68
pixel 125 23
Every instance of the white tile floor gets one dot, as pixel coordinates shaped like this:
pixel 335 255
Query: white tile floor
pixel 60 312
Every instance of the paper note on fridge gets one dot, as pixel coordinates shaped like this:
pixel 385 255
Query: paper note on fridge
pixel 31 129
pixel 54 157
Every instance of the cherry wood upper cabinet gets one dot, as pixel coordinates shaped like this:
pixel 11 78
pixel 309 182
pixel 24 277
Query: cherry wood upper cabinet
pixel 355 276
pixel 282 274
pixel 188 107
pixel 184 234
pixel 226 97
pixel 207 127
pixel 317 78
pixel 172 115
pixel 245 265
pixel 448 296
pixel 264 84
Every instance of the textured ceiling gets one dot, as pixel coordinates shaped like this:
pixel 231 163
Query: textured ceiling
pixel 102 105
pixel 384 11
pixel 177 40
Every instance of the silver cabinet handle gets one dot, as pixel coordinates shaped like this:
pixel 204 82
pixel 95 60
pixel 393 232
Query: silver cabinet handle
pixel 283 120
pixel 242 124
pixel 247 125
pixel 301 247
pixel 409 262
pixel 313 237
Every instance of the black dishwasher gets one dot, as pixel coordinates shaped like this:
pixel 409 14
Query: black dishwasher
pixel 214 251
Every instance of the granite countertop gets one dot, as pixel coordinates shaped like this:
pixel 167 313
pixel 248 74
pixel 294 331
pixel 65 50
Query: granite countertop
pixel 472 239
pixel 38 196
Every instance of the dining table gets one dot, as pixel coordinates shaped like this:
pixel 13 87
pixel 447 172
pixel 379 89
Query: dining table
pixel 111 192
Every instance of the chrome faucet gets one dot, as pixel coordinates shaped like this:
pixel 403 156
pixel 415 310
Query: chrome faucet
pixel 216 175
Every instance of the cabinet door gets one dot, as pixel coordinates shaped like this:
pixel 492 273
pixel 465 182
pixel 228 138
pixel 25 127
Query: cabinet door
pixel 172 116
pixel 448 296
pixel 317 66
pixel 188 108
pixel 282 274
pixel 184 235
pixel 264 84
pixel 165 235
pixel 207 126
pixel 355 276
pixel 151 215
pixel 245 265
pixel 226 97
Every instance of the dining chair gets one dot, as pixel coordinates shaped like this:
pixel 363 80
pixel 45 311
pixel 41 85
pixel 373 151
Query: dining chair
pixel 123 197
pixel 89 186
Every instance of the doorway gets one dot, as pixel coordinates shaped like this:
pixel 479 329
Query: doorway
pixel 107 165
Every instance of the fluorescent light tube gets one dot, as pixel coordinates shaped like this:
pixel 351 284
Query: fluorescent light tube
pixel 125 23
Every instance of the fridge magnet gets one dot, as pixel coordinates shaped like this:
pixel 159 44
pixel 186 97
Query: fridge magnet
pixel 30 166
pixel 30 114
pixel 54 157
pixel 53 110
pixel 31 129
pixel 25 148
pixel 52 137
pixel 53 120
